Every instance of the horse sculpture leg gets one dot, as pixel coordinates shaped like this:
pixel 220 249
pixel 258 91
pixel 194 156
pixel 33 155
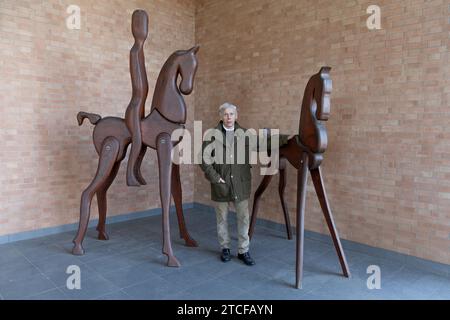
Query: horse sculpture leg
pixel 102 203
pixel 137 171
pixel 164 149
pixel 302 176
pixel 281 188
pixel 177 198
pixel 316 175
pixel 261 188
pixel 107 160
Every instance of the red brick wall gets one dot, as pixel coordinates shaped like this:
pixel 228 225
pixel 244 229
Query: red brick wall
pixel 387 167
pixel 47 74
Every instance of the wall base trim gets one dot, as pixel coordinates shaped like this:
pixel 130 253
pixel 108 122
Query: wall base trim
pixel 26 235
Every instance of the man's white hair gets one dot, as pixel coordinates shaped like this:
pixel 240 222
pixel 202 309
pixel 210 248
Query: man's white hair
pixel 225 106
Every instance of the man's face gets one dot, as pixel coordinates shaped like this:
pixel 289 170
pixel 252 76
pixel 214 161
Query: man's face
pixel 229 117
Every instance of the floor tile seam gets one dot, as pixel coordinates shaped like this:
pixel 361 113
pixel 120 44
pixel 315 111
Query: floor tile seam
pixel 41 273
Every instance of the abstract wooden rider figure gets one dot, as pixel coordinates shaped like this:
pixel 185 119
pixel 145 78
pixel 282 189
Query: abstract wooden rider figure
pixel 112 135
pixel 136 109
pixel 305 151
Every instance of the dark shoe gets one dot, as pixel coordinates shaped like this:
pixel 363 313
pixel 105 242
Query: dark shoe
pixel 246 258
pixel 226 255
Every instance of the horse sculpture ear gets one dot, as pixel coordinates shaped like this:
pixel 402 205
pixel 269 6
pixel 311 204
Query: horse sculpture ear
pixel 194 49
pixel 325 70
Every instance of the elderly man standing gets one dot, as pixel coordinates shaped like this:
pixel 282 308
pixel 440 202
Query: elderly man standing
pixel 231 181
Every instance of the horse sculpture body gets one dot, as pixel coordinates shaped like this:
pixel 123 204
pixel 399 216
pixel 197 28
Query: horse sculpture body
pixel 112 136
pixel 303 152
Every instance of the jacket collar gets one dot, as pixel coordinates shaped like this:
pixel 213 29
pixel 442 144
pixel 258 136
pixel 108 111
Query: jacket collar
pixel 236 126
pixel 237 133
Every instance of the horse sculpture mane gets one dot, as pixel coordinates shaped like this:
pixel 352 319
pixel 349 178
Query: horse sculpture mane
pixel 316 108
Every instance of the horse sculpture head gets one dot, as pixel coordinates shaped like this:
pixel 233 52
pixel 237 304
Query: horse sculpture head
pixel 187 70
pixel 322 93
pixel 315 109
pixel 167 97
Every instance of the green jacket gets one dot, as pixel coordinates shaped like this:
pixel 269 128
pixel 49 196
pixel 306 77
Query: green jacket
pixel 237 175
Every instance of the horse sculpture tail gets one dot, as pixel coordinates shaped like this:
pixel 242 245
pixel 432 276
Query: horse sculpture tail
pixel 93 118
pixel 315 109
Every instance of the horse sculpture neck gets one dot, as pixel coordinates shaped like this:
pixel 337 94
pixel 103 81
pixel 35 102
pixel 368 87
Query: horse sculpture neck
pixel 167 98
pixel 315 109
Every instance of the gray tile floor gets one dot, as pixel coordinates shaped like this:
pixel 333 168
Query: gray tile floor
pixel 130 266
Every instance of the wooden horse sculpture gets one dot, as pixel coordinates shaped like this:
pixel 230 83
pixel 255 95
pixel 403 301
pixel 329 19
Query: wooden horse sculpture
pixel 112 136
pixel 305 151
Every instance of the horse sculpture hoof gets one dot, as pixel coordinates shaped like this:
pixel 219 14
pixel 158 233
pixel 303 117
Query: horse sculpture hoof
pixel 102 235
pixel 132 181
pixel 78 250
pixel 191 242
pixel 173 262
pixel 141 179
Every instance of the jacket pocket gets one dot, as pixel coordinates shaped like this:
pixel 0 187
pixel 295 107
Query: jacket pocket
pixel 221 190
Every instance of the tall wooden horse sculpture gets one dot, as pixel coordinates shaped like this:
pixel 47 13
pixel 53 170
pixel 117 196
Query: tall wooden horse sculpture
pixel 305 151
pixel 112 136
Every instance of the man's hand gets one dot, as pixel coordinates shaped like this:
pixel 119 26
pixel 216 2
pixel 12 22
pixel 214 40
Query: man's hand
pixel 221 180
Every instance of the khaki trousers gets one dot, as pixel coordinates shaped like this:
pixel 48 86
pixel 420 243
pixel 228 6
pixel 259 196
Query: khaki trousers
pixel 243 223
